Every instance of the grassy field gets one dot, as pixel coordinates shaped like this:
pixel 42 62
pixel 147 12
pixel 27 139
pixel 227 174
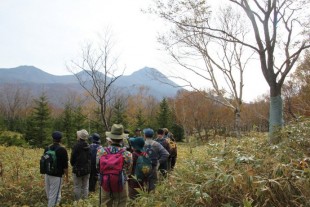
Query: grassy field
pixel 245 172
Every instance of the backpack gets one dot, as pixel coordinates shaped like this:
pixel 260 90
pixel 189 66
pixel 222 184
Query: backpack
pixel 48 162
pixel 152 155
pixel 111 171
pixel 83 163
pixel 143 168
pixel 172 144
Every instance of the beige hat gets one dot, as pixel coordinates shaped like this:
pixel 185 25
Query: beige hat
pixel 82 134
pixel 117 132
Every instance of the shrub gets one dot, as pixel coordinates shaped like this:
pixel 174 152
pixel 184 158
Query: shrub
pixel 12 139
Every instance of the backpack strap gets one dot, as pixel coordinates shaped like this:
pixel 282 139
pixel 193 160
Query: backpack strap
pixel 140 154
pixel 121 151
pixel 56 148
pixel 107 149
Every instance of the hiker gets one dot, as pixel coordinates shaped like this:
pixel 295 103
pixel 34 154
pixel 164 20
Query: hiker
pixel 173 149
pixel 108 141
pixel 126 142
pixel 53 182
pixel 166 132
pixel 157 153
pixel 95 139
pixel 134 183
pixel 81 165
pixel 138 133
pixel 114 164
pixel 163 167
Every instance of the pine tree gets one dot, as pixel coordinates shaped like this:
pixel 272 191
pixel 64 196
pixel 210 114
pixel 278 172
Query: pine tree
pixel 38 125
pixel 119 114
pixel 164 118
pixel 79 118
pixel 140 121
pixel 68 127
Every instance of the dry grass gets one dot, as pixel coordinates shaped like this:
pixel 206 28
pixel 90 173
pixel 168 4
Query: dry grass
pixel 247 172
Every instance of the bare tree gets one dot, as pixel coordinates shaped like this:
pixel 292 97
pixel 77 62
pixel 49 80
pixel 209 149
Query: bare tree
pixel 96 73
pixel 222 62
pixel 280 30
pixel 14 102
pixel 281 35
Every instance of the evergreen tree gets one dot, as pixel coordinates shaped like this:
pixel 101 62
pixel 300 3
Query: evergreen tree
pixel 79 119
pixel 95 122
pixel 177 131
pixel 164 118
pixel 119 114
pixel 140 121
pixel 2 123
pixel 38 125
pixel 68 125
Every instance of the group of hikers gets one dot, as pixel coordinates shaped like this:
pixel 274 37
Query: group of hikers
pixel 121 167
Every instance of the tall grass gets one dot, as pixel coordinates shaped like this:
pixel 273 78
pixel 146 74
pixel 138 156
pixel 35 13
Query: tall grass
pixel 246 172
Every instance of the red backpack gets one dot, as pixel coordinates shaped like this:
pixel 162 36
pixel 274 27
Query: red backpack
pixel 111 171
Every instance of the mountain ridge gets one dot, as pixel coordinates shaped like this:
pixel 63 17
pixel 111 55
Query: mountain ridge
pixel 35 79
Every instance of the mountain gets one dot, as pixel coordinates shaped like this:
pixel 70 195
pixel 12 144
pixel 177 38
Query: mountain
pixel 57 87
pixel 158 84
pixel 30 74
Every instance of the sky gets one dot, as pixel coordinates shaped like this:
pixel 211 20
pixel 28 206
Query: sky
pixel 50 34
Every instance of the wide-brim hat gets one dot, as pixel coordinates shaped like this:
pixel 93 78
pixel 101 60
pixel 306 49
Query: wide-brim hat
pixel 117 132
pixel 82 134
pixel 137 143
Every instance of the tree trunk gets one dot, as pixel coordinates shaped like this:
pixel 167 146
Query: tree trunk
pixel 275 115
pixel 237 122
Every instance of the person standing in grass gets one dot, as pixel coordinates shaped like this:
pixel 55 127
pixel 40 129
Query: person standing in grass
pixel 53 182
pixel 157 153
pixel 95 139
pixel 114 195
pixel 163 167
pixel 137 145
pixel 81 165
pixel 173 149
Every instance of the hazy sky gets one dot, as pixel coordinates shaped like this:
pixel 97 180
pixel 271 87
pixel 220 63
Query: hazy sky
pixel 48 34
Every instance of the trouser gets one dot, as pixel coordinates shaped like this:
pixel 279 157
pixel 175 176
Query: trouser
pixel 153 179
pixel 115 199
pixel 173 161
pixel 80 186
pixel 93 181
pixel 53 186
pixel 169 164
pixel 133 185
pixel 163 168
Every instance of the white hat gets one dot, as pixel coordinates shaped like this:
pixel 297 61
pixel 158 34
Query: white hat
pixel 82 134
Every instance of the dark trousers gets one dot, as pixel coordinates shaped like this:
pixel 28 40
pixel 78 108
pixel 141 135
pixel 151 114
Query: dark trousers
pixel 163 168
pixel 93 178
pixel 133 185
pixel 173 161
pixel 152 180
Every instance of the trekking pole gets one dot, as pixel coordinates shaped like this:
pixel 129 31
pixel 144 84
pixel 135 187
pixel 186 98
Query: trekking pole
pixel 100 190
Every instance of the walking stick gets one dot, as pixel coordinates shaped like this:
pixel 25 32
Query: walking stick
pixel 100 190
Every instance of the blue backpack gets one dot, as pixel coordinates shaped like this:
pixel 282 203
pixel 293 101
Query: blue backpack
pixel 143 168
